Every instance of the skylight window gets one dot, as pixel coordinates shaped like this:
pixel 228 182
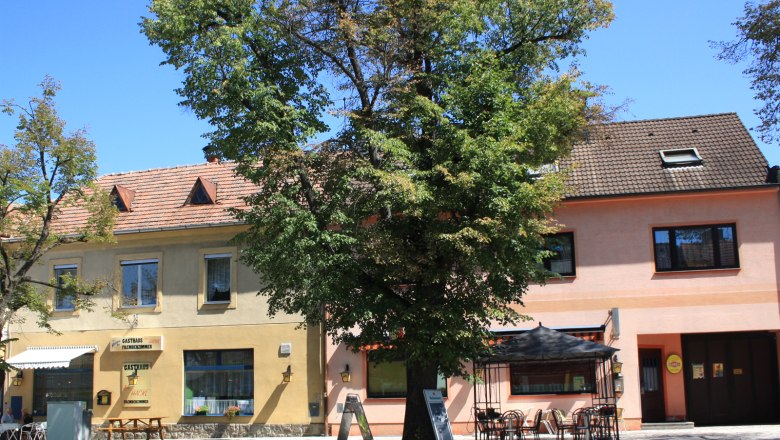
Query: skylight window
pixel 684 157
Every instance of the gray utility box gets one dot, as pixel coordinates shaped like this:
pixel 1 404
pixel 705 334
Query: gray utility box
pixel 68 421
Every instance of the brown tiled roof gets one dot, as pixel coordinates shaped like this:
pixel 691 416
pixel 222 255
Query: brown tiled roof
pixel 160 196
pixel 623 158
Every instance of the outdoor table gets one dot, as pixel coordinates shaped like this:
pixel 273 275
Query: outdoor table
pixel 6 426
pixel 125 425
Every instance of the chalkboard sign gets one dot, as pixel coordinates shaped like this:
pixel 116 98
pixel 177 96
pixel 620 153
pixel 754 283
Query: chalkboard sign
pixel 438 414
pixel 353 406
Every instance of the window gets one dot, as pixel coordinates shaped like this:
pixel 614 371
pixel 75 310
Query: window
pixel 695 247
pixel 684 157
pixel 70 384
pixel 566 377
pixel 217 379
pixel 562 247
pixel 64 302
pixel 388 379
pixel 139 283
pixel 218 276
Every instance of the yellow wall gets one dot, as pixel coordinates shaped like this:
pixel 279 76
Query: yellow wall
pixel 184 325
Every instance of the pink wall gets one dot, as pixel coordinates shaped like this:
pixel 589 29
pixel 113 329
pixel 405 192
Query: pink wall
pixel 615 269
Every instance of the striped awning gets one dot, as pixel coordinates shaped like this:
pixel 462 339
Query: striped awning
pixel 49 357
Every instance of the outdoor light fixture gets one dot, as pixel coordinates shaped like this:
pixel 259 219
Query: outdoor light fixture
pixel 17 380
pixel 345 375
pixel 618 384
pixel 287 375
pixel 617 367
pixel 132 378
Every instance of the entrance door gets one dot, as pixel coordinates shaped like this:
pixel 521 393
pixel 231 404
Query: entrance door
pixel 652 386
pixel 731 378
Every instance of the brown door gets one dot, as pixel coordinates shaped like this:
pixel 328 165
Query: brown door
pixel 731 378
pixel 651 385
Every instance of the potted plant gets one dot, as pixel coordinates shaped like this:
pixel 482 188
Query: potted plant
pixel 232 411
pixel 202 410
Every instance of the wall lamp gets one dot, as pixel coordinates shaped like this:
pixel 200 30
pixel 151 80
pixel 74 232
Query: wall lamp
pixel 345 375
pixel 287 375
pixel 617 366
pixel 617 378
pixel 18 379
pixel 132 378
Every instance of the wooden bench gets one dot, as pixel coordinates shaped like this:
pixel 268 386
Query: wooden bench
pixel 125 425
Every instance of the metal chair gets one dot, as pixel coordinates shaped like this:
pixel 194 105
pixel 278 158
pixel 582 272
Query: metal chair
pixel 560 425
pixel 513 424
pixel 534 429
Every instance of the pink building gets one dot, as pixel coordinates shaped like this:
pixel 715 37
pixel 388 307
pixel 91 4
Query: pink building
pixel 668 251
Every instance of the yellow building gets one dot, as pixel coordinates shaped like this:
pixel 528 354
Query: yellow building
pixel 181 332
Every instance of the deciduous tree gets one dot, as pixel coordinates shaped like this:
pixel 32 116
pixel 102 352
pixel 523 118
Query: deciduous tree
pixel 758 41
pixel 45 171
pixel 418 223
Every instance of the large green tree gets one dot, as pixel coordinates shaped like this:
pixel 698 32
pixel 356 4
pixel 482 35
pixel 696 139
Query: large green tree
pixel 45 171
pixel 418 223
pixel 758 41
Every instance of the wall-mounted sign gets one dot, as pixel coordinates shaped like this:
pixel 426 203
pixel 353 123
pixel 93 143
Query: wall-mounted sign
pixel 737 371
pixel 136 385
pixel 674 364
pixel 717 369
pixel 104 397
pixel 137 343
pixel 697 371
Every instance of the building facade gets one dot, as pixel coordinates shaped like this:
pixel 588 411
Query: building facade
pixel 668 251
pixel 181 332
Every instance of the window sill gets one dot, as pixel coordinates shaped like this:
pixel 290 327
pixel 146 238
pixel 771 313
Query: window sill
pixel 694 271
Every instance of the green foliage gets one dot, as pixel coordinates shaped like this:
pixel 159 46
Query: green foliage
pixel 758 40
pixel 420 216
pixel 45 171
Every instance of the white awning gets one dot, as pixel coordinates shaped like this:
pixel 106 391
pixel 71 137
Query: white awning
pixel 50 357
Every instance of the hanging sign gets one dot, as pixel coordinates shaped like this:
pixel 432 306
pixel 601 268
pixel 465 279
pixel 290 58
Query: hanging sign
pixel 136 385
pixel 137 343
pixel 438 414
pixel 674 364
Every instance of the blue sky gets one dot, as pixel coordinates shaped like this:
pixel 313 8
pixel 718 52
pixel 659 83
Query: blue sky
pixel 655 53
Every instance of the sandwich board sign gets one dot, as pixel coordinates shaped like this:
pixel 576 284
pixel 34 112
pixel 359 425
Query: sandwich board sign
pixel 353 406
pixel 438 413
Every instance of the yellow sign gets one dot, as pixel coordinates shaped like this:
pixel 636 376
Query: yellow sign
pixel 137 343
pixel 136 385
pixel 674 364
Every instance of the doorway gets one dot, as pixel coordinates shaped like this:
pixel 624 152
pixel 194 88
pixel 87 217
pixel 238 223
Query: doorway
pixel 731 378
pixel 651 385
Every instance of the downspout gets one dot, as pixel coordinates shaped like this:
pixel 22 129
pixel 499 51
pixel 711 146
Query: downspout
pixel 324 356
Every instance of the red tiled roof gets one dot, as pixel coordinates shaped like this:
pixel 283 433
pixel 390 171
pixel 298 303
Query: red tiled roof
pixel 623 158
pixel 160 196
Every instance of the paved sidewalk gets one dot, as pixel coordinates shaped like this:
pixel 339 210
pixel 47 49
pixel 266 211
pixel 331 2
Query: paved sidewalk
pixel 751 432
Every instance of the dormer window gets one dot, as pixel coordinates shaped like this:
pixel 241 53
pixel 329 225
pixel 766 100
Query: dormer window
pixel 684 157
pixel 204 192
pixel 123 198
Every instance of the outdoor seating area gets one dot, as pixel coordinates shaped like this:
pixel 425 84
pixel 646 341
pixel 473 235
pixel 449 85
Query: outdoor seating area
pixel 133 425
pixel 595 423
pixel 29 431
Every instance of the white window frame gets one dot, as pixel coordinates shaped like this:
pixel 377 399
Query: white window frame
pixel 139 263
pixel 217 256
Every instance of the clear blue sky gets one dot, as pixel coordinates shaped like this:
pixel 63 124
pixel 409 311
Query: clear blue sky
pixel 655 53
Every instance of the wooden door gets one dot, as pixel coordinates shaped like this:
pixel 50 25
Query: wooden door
pixel 651 385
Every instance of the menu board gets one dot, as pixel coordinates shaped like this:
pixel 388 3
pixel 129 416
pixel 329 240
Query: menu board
pixel 438 414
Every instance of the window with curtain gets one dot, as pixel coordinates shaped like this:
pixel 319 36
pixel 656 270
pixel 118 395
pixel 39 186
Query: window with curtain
pixel 218 277
pixel 695 247
pixel 553 377
pixel 217 379
pixel 70 384
pixel 562 247
pixel 63 301
pixel 388 379
pixel 139 283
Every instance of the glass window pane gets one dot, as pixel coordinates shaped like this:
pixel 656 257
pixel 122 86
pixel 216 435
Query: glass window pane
pixel 728 248
pixel 387 379
pixel 217 379
pixel 694 248
pixel 64 301
pixel 139 284
pixel 218 279
pixel 63 384
pixel 663 250
pixel 552 377
pixel 149 284
pixel 562 247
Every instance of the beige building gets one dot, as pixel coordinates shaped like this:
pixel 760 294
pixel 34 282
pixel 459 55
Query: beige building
pixel 181 332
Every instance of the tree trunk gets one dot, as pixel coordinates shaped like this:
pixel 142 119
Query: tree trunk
pixel 417 423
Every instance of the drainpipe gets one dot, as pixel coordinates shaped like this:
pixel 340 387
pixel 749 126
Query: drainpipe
pixel 324 338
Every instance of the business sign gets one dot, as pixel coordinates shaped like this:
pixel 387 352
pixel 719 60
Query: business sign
pixel 136 385
pixel 438 414
pixel 137 343
pixel 674 364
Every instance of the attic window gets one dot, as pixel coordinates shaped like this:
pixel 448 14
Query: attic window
pixel 684 157
pixel 204 192
pixel 537 173
pixel 123 198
